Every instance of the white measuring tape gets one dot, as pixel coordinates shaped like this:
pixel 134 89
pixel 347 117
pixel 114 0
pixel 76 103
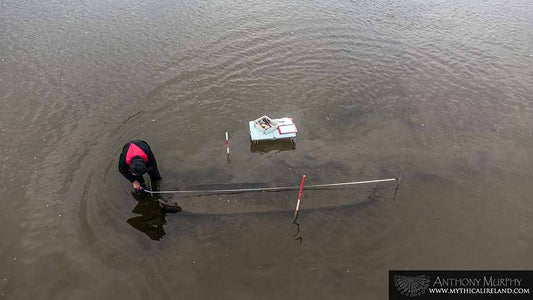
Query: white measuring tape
pixel 281 188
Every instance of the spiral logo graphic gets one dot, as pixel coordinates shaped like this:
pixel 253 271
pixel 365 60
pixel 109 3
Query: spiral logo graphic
pixel 411 286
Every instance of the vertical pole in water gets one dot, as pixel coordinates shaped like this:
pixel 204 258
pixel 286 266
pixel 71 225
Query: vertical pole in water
pixel 299 198
pixel 227 143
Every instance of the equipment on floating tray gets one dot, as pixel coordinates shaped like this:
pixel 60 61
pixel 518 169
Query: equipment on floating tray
pixel 267 129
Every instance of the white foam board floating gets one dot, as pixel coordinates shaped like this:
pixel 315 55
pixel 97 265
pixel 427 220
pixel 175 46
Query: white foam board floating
pixel 265 128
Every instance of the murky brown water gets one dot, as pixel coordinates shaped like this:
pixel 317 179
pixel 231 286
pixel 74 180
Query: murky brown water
pixel 440 90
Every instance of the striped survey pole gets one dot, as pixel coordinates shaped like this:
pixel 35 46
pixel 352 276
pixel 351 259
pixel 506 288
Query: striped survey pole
pixel 299 198
pixel 227 143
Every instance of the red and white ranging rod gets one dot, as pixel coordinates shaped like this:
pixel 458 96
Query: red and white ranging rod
pixel 299 198
pixel 227 143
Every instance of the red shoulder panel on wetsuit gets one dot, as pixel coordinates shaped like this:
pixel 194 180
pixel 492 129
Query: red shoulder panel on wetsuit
pixel 133 151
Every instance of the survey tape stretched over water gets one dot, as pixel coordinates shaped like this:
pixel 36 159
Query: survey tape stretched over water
pixel 212 199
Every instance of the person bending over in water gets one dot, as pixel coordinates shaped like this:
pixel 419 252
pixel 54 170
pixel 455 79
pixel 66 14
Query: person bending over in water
pixel 135 160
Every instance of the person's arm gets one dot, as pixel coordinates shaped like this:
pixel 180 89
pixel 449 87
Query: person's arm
pixel 126 173
pixel 124 170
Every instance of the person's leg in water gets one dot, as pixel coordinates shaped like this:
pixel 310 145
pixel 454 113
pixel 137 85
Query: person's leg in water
pixel 154 175
pixel 155 179
pixel 167 204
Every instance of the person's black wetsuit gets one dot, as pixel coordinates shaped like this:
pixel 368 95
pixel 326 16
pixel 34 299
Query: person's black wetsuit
pixel 140 149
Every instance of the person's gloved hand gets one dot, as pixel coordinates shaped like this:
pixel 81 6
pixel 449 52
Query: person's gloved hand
pixel 136 185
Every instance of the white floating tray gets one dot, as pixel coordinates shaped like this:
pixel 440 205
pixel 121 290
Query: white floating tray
pixel 286 129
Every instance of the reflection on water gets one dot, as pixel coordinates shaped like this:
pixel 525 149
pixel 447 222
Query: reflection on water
pixel 295 235
pixel 278 145
pixel 152 216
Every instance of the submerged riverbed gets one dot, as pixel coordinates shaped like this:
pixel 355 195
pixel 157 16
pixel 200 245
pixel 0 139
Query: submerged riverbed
pixel 437 90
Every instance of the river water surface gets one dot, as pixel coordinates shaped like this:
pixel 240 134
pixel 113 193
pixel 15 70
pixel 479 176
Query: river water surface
pixel 440 91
